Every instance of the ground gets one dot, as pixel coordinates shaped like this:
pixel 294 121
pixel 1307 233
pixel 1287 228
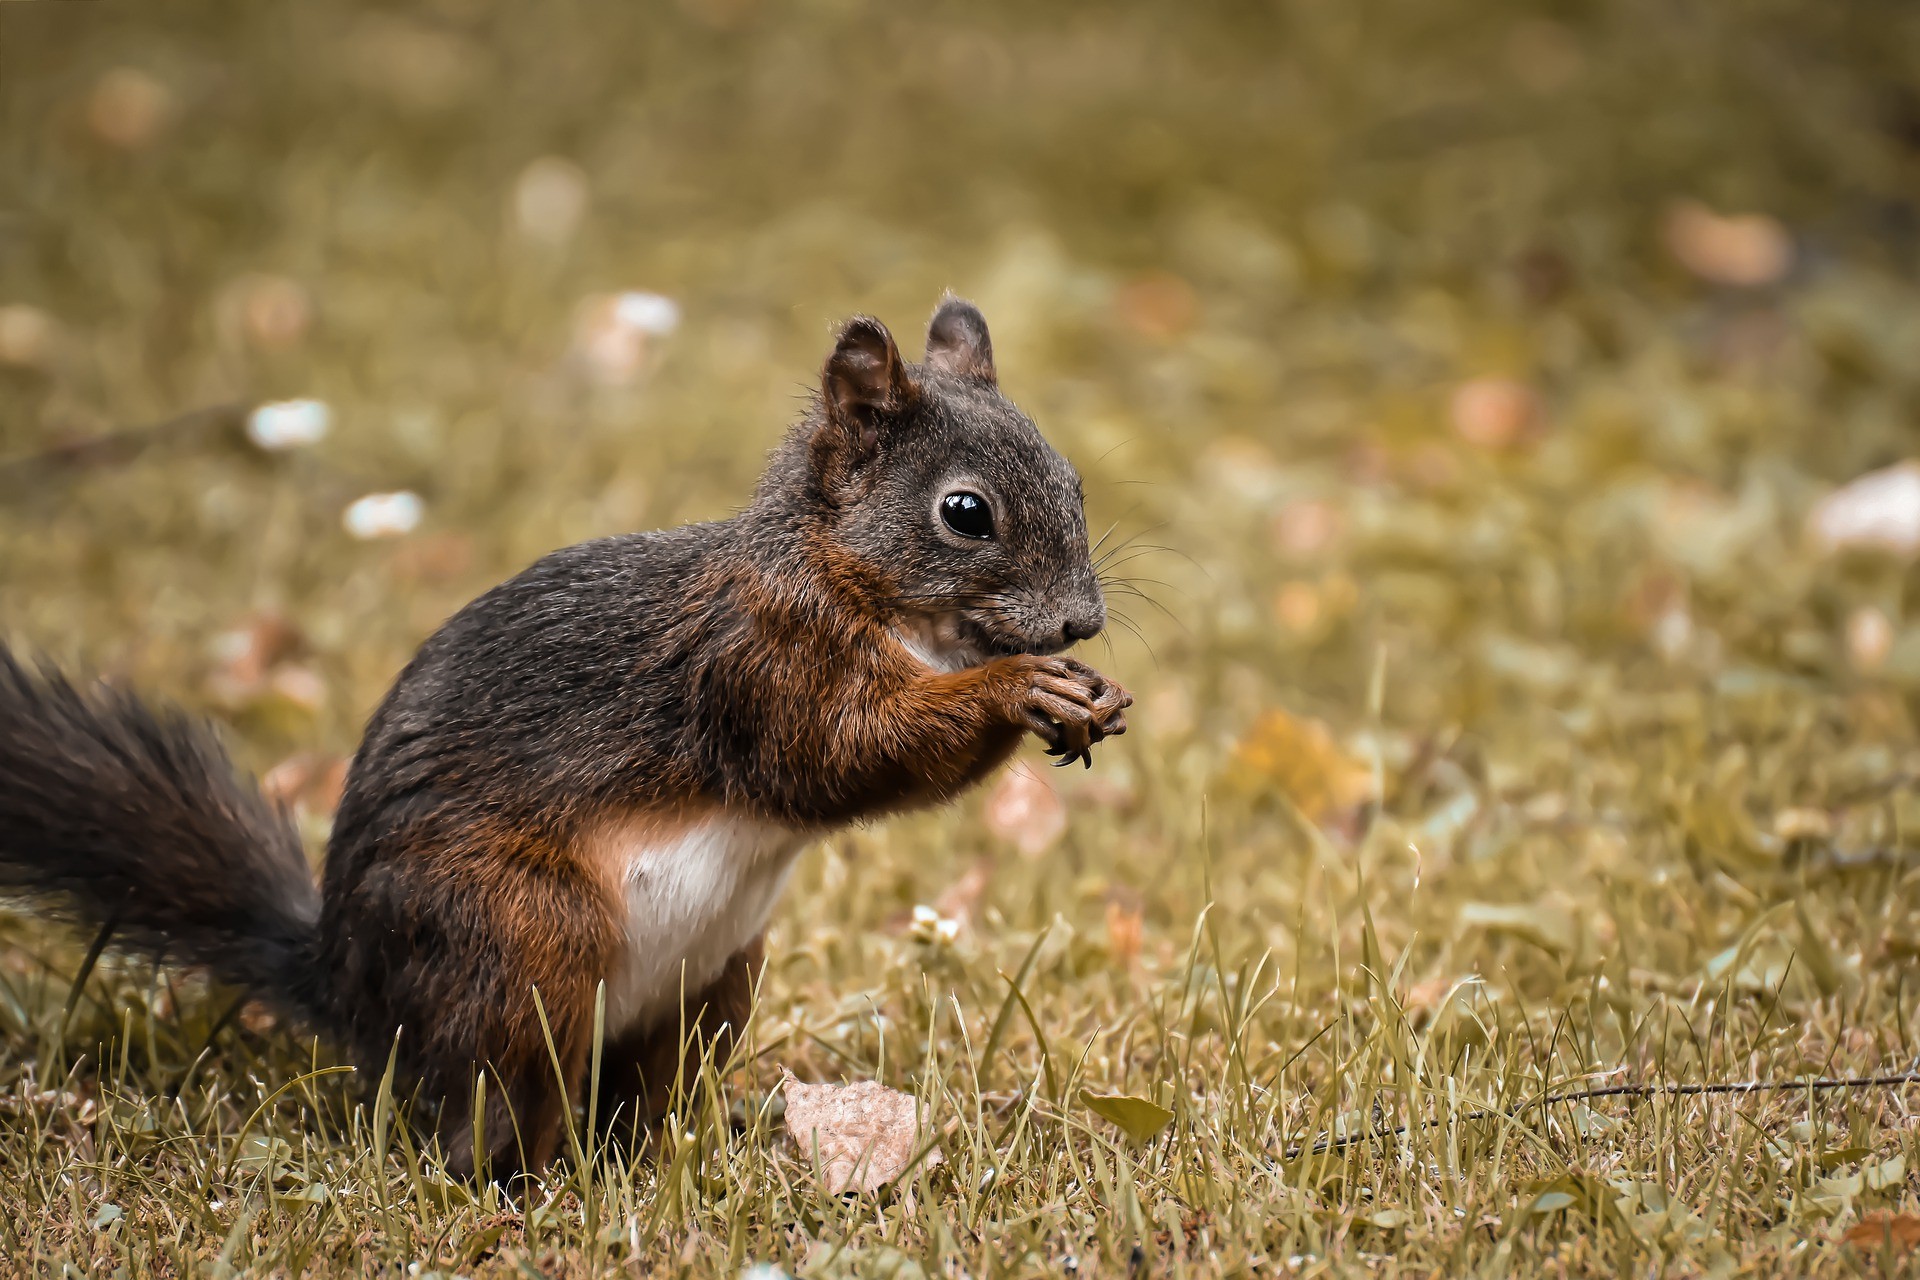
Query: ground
pixel 1462 382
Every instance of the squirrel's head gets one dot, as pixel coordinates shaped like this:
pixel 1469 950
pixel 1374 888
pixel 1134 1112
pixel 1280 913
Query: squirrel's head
pixel 947 495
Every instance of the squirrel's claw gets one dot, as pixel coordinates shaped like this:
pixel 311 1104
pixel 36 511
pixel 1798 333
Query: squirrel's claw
pixel 1068 755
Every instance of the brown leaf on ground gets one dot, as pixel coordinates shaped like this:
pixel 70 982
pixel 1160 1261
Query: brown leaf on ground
pixel 247 654
pixel 1157 305
pixel 1125 923
pixel 1746 249
pixel 961 899
pixel 1898 1231
pixel 866 1134
pixel 307 780
pixel 1495 413
pixel 1025 810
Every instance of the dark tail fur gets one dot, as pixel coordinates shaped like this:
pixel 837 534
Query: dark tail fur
pixel 112 814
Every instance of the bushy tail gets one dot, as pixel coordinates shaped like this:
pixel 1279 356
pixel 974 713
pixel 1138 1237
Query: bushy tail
pixel 114 814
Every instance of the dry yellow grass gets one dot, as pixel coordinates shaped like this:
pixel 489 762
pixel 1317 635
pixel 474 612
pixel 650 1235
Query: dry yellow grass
pixel 1464 378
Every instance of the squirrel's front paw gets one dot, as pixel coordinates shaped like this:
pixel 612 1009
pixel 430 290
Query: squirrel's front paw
pixel 1071 706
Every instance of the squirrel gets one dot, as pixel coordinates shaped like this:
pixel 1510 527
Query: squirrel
pixel 599 773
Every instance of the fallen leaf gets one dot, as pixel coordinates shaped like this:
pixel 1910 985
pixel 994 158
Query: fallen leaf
pixel 1745 249
pixel 1546 925
pixel 1885 1175
pixel 307 780
pixel 1157 305
pixel 433 558
pixel 129 107
pixel 1308 528
pixel 1869 638
pixel 1297 607
pixel 864 1135
pixel 268 312
pixel 1494 413
pixel 1300 758
pixel 248 653
pixel 1882 1229
pixel 1140 1119
pixel 1025 810
pixel 549 199
pixel 1124 929
pixel 26 336
pixel 614 332
pixel 302 686
pixel 961 899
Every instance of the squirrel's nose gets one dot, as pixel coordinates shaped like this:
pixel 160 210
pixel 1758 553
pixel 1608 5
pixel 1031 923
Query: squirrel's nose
pixel 1077 629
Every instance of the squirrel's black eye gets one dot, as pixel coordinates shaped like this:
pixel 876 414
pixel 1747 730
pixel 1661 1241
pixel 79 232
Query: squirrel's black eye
pixel 967 514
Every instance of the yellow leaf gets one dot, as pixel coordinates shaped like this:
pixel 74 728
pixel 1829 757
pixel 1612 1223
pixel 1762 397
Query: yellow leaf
pixel 1140 1118
pixel 1547 926
pixel 1300 759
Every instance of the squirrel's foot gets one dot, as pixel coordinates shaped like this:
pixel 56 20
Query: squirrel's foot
pixel 1070 706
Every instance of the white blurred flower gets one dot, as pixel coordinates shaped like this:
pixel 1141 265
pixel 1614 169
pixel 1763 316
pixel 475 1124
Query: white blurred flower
pixel 383 515
pixel 613 332
pixel 289 424
pixel 930 926
pixel 764 1271
pixel 1880 510
pixel 649 313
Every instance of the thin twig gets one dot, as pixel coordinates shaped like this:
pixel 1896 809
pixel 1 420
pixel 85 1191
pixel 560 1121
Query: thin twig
pixel 121 444
pixel 1892 1080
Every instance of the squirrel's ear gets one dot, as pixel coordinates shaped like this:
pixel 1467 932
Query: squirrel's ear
pixel 864 381
pixel 865 376
pixel 957 340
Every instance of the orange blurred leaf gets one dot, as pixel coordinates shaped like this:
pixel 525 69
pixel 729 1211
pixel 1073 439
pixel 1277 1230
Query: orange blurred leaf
pixel 1301 759
pixel 1897 1231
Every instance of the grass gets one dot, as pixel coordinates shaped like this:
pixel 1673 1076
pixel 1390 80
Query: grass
pixel 1481 753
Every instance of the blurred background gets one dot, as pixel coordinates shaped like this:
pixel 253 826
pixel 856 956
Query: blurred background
pixel 1511 403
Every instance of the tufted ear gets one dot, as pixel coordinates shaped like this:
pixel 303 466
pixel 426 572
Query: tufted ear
pixel 957 340
pixel 865 377
pixel 864 382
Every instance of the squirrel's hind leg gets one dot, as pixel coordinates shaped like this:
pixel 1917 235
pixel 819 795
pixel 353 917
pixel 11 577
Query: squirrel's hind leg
pixel 641 1070
pixel 485 950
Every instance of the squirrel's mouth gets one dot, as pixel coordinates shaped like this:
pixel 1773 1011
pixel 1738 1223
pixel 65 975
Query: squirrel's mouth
pixel 997 642
pixel 957 640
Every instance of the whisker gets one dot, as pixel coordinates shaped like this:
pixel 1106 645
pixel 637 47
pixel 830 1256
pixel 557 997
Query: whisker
pixel 1137 534
pixel 1139 635
pixel 1115 525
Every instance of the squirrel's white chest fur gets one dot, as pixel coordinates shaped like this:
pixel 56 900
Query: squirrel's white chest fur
pixel 691 898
